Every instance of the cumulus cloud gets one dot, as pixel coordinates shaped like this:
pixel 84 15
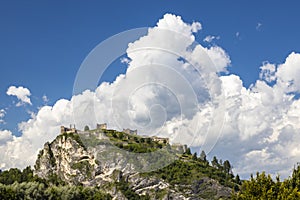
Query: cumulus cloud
pixel 172 88
pixel 267 72
pixel 164 67
pixel 238 35
pixel 45 99
pixel 210 38
pixel 258 26
pixel 125 60
pixel 288 73
pixel 21 93
pixel 262 122
pixel 2 115
pixel 175 23
pixel 5 135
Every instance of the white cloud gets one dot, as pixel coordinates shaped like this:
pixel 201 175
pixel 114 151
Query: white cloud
pixel 182 99
pixel 124 60
pixel 148 96
pixel 263 122
pixel 238 35
pixel 2 115
pixel 258 26
pixel 5 136
pixel 45 99
pixel 288 74
pixel 21 93
pixel 267 72
pixel 196 26
pixel 210 38
pixel 219 57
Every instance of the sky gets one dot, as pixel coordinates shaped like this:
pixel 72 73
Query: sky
pixel 253 46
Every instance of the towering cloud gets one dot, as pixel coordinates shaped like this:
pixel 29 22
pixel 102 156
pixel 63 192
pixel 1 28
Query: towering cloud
pixel 172 88
pixel 21 93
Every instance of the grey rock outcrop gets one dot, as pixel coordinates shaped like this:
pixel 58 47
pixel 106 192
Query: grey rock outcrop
pixel 104 165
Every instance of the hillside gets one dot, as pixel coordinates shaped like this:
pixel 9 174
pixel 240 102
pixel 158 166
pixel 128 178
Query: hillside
pixel 119 165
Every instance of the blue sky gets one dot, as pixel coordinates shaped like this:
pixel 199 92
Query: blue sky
pixel 43 43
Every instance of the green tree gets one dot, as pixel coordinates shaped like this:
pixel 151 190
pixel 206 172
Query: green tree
pixel 194 156
pixel 148 140
pixel 10 176
pixel 188 151
pixel 86 128
pixel 237 179
pixel 121 135
pixel 114 134
pixel 27 175
pixel 203 156
pixel 260 187
pixel 227 166
pixel 215 162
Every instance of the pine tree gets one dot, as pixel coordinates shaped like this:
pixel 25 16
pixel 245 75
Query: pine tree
pixel 215 162
pixel 188 151
pixel 195 156
pixel 237 179
pixel 203 156
pixel 86 128
pixel 227 166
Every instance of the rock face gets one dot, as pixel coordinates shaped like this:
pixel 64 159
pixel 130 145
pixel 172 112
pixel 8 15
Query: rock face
pixel 69 160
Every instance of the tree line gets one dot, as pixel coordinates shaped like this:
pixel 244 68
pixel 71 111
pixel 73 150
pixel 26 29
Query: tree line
pixel 262 186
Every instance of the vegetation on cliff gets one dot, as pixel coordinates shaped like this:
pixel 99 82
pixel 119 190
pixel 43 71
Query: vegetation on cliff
pixel 262 186
pixel 189 175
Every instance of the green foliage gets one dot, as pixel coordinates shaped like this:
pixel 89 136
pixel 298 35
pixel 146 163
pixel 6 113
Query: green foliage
pixel 74 136
pixel 83 166
pixel 227 166
pixel 11 176
pixel 114 134
pixel 215 162
pixel 123 186
pixel 132 143
pixel 187 171
pixel 148 140
pixel 54 179
pixel 17 184
pixel 15 175
pixel 37 190
pixel 52 158
pixel 203 156
pixel 86 128
pixel 237 180
pixel 264 187
pixel 195 156
pixel 188 151
pixel 142 140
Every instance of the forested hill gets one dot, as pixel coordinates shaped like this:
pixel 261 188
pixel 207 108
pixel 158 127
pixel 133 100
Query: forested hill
pixel 69 168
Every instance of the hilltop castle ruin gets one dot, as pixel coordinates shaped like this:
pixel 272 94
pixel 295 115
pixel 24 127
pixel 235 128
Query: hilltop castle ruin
pixel 103 126
pixel 72 129
pixel 129 131
pixel 100 128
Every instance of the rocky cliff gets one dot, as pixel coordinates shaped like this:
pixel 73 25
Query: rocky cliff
pixel 68 159
pixel 105 162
